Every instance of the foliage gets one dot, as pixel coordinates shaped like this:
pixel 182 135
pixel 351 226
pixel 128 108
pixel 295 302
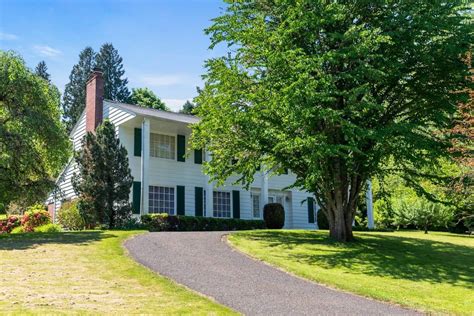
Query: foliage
pixel 33 143
pixel 147 98
pixel 74 98
pixel 274 215
pixel 422 214
pixel 48 228
pixel 42 71
pixel 18 230
pixel 431 273
pixel 188 108
pixel 10 223
pixel 110 62
pixel 165 222
pixel 69 216
pixel 331 91
pixel 34 217
pixel 104 179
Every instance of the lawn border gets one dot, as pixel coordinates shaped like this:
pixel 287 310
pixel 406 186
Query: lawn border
pixel 328 286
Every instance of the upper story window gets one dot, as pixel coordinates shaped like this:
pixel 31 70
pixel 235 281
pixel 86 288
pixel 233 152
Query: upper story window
pixel 162 146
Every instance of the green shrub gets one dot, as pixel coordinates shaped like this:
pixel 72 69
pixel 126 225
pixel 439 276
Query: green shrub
pixel 35 216
pixel 165 222
pixel 8 224
pixel 69 216
pixel 323 222
pixel 17 230
pixel 274 215
pixel 48 228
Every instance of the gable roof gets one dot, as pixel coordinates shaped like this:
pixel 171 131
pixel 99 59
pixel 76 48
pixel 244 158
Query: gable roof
pixel 165 115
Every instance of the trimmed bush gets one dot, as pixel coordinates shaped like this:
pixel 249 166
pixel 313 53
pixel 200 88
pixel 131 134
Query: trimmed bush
pixel 69 216
pixel 35 216
pixel 48 228
pixel 17 230
pixel 323 222
pixel 165 222
pixel 274 215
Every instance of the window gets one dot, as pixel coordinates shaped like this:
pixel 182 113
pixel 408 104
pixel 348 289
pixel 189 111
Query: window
pixel 256 205
pixel 221 204
pixel 161 200
pixel 162 146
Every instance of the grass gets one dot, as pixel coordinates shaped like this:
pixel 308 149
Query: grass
pixel 87 273
pixel 433 273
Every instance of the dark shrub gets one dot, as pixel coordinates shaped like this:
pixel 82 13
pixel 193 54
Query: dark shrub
pixel 274 215
pixel 322 220
pixel 165 222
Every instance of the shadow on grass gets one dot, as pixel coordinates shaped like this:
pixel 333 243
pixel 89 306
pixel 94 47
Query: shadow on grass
pixel 380 255
pixel 33 240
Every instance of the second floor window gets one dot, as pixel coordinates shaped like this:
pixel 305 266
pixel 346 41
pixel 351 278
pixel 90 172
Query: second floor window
pixel 162 146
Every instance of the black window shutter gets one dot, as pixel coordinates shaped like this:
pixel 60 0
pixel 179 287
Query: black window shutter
pixel 180 200
pixel 136 192
pixel 181 148
pixel 198 201
pixel 198 156
pixel 236 204
pixel 310 210
pixel 137 148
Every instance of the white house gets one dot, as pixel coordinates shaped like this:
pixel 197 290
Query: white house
pixel 168 176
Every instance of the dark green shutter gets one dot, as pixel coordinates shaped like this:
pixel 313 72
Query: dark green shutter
pixel 236 204
pixel 137 147
pixel 198 156
pixel 198 201
pixel 180 200
pixel 136 192
pixel 181 148
pixel 310 210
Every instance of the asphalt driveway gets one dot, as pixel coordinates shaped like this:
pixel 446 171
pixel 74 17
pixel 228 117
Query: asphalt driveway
pixel 204 262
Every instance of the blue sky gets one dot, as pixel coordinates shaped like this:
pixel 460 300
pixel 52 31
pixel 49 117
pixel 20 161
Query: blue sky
pixel 162 42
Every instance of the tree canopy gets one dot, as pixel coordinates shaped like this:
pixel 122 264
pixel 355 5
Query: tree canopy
pixel 42 71
pixel 331 91
pixel 147 98
pixel 188 107
pixel 33 142
pixel 110 62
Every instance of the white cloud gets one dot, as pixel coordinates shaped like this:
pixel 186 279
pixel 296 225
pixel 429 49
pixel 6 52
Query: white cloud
pixel 162 80
pixel 46 50
pixel 175 104
pixel 7 37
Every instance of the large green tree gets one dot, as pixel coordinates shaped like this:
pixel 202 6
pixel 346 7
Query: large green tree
pixel 188 107
pixel 33 142
pixel 147 98
pixel 332 90
pixel 104 179
pixel 74 98
pixel 110 62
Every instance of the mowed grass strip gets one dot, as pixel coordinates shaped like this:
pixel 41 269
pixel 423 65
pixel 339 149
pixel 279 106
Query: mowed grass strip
pixel 433 273
pixel 87 273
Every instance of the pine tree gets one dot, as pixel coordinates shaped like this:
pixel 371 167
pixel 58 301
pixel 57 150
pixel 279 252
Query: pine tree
pixel 188 108
pixel 42 71
pixel 104 180
pixel 74 99
pixel 109 60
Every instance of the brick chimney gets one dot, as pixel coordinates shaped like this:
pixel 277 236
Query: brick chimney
pixel 94 100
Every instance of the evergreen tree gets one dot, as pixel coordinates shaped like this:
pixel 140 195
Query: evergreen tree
pixel 74 98
pixel 109 60
pixel 188 107
pixel 145 97
pixel 104 180
pixel 42 71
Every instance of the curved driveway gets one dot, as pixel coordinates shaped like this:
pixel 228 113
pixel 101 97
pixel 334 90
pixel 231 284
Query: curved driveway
pixel 205 263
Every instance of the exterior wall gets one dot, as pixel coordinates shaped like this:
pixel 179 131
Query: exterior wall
pixel 166 172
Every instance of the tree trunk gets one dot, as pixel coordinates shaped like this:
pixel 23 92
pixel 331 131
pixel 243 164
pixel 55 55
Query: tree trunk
pixel 426 229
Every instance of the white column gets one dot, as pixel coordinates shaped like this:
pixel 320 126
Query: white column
pixel 370 207
pixel 209 192
pixel 264 189
pixel 145 162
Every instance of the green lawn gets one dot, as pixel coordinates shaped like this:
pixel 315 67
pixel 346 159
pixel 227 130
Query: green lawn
pixel 86 273
pixel 433 272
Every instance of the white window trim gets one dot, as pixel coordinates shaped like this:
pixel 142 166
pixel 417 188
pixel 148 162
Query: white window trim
pixel 175 145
